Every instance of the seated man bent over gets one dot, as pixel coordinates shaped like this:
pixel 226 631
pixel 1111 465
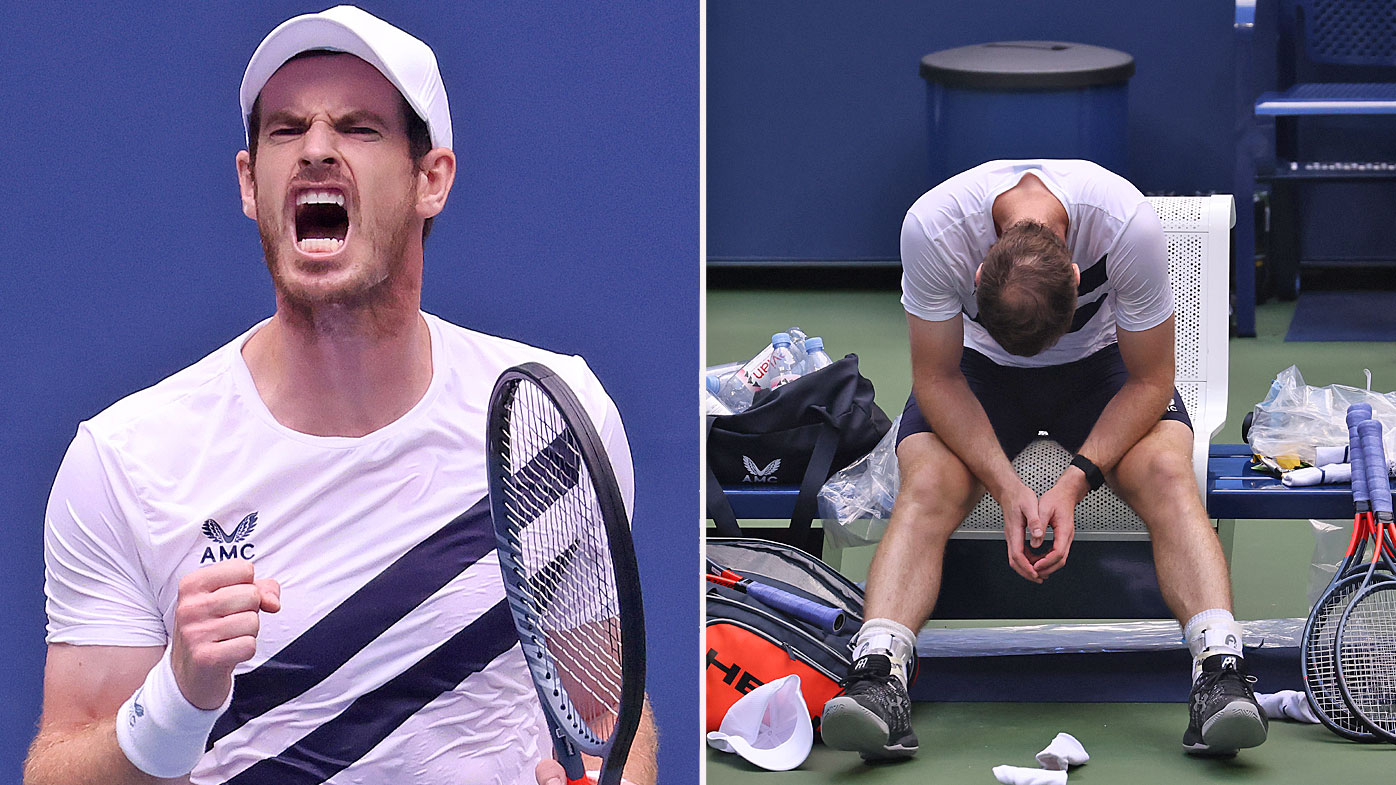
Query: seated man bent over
pixel 1037 299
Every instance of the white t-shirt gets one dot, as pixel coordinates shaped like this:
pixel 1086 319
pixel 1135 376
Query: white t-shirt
pixel 394 657
pixel 1113 234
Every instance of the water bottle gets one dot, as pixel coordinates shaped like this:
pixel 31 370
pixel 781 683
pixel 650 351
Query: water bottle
pixel 797 347
pixel 740 386
pixel 783 364
pixel 721 372
pixel 815 355
pixel 711 403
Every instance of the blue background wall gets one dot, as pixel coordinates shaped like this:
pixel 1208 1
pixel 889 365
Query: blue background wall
pixel 817 126
pixel 124 255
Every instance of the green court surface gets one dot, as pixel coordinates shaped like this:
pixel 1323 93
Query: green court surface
pixel 1129 744
pixel 1135 743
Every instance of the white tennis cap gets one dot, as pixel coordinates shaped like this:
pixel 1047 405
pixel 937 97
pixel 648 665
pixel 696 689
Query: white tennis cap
pixel 406 62
pixel 769 726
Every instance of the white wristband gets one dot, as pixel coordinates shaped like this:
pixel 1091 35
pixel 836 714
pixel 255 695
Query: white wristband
pixel 161 732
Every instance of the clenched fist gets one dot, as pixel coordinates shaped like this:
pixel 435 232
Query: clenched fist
pixel 216 625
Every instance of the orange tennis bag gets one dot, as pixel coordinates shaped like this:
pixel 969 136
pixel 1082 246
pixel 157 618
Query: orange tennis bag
pixel 749 643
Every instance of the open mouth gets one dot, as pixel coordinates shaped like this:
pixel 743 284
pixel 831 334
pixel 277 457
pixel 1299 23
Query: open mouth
pixel 322 223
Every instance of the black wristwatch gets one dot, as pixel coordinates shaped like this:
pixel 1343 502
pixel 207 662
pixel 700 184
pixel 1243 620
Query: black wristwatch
pixel 1092 472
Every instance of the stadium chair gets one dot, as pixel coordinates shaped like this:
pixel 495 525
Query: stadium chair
pixel 1334 57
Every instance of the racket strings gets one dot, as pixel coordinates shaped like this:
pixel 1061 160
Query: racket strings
pixel 559 530
pixel 1321 662
pixel 1367 654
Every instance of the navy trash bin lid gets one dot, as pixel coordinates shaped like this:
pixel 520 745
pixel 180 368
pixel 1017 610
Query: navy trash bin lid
pixel 1032 65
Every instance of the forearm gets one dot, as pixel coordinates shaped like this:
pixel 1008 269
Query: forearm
pixel 958 420
pixel 1127 418
pixel 642 767
pixel 87 755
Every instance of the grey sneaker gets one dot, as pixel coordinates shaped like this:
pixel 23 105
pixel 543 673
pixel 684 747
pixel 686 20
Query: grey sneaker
pixel 1223 716
pixel 871 715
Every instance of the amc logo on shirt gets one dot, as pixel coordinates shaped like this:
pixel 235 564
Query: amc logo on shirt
pixel 226 543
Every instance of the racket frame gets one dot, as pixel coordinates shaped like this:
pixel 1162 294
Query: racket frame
pixel 568 738
pixel 1379 486
pixel 1319 640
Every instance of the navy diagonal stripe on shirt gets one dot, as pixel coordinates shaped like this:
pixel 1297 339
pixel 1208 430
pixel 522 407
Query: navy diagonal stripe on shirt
pixel 378 605
pixel 1092 278
pixel 368 612
pixel 1084 314
pixel 337 744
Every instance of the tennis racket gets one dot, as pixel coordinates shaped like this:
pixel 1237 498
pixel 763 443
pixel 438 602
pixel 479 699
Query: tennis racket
pixel 822 616
pixel 1366 638
pixel 569 567
pixel 1317 647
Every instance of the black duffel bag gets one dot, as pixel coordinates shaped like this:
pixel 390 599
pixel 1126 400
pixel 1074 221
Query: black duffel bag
pixel 800 433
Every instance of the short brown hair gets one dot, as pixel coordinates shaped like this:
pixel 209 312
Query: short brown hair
pixel 1027 289
pixel 418 134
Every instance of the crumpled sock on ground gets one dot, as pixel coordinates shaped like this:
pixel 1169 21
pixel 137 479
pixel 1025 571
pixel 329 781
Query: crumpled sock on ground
pixel 1286 705
pixel 1064 751
pixel 1022 775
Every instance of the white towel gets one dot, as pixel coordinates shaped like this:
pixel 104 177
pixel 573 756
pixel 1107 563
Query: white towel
pixel 1286 705
pixel 1021 775
pixel 1064 751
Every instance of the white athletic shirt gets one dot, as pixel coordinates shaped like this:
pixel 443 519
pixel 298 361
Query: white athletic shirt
pixel 1113 234
pixel 394 657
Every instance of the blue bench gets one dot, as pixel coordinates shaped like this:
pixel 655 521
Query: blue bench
pixel 1107 578
pixel 1234 490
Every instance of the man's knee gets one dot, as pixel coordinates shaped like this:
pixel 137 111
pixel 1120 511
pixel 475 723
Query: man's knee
pixel 1161 463
pixel 937 489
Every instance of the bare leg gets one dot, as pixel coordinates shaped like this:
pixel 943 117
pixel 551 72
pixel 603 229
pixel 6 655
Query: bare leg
pixel 872 715
pixel 1156 479
pixel 936 494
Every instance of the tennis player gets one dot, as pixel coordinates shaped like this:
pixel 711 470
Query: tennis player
pixel 1037 299
pixel 276 566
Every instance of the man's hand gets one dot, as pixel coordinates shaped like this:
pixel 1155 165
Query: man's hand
pixel 550 772
pixel 1057 509
pixel 216 625
pixel 1020 518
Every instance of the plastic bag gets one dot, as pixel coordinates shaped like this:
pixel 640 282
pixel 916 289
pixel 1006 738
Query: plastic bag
pixel 1295 419
pixel 1330 546
pixel 856 502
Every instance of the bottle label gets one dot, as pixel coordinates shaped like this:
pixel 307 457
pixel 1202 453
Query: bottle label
pixel 755 374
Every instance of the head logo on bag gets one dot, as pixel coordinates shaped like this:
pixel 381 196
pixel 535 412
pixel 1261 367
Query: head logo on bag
pixel 756 474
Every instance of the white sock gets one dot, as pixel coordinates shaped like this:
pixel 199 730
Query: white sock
pixel 1286 705
pixel 884 636
pixel 1213 631
pixel 1064 751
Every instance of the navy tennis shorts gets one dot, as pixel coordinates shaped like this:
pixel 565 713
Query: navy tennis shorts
pixel 1064 401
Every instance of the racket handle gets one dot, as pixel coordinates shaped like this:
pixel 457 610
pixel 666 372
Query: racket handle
pixel 1360 493
pixel 1374 460
pixel 827 618
pixel 1359 412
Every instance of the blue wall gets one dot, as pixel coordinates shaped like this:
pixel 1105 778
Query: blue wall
pixel 573 225
pixel 817 127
